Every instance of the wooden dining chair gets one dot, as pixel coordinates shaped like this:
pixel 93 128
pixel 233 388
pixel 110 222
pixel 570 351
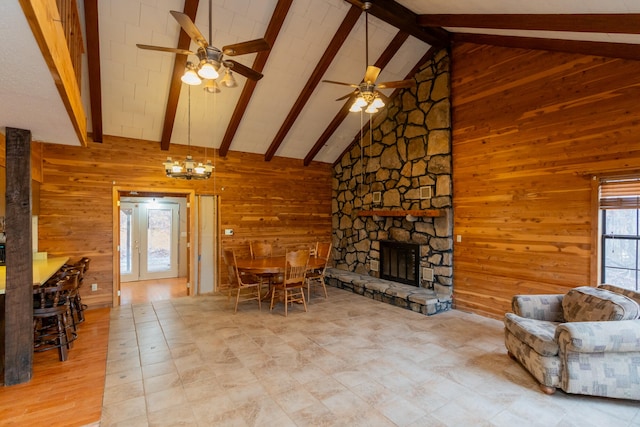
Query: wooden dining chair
pixel 316 277
pixel 292 286
pixel 247 286
pixel 323 250
pixel 229 261
pixel 260 250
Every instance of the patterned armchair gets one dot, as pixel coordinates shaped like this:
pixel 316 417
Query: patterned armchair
pixel 585 342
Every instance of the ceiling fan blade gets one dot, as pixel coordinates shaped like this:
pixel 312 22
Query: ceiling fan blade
pixel 397 84
pixel 166 49
pixel 190 28
pixel 243 48
pixel 372 74
pixel 349 95
pixel 249 73
pixel 340 83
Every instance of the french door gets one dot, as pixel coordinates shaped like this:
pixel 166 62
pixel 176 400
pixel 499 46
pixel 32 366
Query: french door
pixel 149 234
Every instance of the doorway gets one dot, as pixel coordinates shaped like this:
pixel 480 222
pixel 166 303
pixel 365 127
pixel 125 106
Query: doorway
pixel 149 238
pixel 197 236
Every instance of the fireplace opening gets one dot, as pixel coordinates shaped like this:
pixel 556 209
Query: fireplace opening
pixel 399 262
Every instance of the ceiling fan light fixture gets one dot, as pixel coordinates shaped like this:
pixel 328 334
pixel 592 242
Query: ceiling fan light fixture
pixel 360 102
pixel 371 109
pixel 211 86
pixel 355 108
pixel 190 77
pixel 228 80
pixel 207 70
pixel 377 103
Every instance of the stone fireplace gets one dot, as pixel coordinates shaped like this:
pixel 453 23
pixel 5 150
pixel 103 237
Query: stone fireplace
pixel 400 262
pixel 395 185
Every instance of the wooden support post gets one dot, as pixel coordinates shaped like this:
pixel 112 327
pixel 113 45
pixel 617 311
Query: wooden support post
pixel 18 357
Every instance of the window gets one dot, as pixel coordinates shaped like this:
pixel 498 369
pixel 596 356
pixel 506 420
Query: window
pixel 620 232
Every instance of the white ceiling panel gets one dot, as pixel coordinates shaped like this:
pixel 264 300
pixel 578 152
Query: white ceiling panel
pixel 136 83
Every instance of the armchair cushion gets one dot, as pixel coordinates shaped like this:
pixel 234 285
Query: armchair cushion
pixel 537 334
pixel 541 307
pixel 623 291
pixel 587 304
pixel 597 337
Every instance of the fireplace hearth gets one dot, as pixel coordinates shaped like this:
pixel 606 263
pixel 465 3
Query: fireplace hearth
pixel 400 262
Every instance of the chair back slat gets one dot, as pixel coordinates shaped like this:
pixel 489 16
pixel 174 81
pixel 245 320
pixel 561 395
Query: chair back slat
pixel 296 266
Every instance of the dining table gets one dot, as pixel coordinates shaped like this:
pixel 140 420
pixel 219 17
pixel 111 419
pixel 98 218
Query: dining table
pixel 265 267
pixel 273 265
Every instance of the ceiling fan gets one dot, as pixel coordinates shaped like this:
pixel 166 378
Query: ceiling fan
pixel 211 59
pixel 366 94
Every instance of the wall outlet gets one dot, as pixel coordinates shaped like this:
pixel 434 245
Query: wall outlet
pixel 94 287
pixel 374 265
pixel 228 231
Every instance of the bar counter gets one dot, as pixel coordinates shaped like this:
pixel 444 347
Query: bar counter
pixel 43 269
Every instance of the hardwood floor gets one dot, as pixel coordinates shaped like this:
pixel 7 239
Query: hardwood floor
pixel 63 393
pixel 152 290
pixel 70 393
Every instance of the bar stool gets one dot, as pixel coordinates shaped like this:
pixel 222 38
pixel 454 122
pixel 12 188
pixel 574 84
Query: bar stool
pixel 77 307
pixel 51 311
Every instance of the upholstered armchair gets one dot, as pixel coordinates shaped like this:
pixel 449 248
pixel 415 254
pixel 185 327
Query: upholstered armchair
pixel 585 342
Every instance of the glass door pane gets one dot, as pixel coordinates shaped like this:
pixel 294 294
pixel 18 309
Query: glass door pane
pixel 158 240
pixel 159 259
pixel 128 242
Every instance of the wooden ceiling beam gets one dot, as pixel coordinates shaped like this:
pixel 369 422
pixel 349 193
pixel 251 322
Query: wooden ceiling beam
pixel 44 20
pixel 617 23
pixel 179 64
pixel 341 35
pixel 93 61
pixel 395 93
pixel 609 50
pixel 275 24
pixel 382 62
pixel 405 20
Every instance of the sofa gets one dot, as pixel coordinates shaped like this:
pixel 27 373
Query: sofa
pixel 586 341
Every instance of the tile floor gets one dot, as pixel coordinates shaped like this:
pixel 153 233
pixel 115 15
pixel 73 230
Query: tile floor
pixel 348 361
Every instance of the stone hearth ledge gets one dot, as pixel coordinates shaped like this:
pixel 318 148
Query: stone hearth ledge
pixel 420 300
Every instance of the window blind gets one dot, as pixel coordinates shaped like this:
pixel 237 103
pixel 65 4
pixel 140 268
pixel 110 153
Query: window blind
pixel 620 194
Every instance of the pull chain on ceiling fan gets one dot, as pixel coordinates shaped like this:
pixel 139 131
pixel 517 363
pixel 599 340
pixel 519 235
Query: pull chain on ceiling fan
pixel 366 93
pixel 212 59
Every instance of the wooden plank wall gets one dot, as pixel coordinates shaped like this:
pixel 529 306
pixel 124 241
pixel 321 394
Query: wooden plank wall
pixel 530 130
pixel 278 201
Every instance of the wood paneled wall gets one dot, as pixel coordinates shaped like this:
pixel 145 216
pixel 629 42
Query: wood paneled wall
pixel 280 201
pixel 530 130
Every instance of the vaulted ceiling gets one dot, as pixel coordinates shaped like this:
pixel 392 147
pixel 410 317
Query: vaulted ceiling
pixel 290 112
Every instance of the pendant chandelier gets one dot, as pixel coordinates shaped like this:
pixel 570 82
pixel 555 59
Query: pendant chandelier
pixel 188 168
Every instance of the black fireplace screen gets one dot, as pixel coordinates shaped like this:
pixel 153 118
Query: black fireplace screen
pixel 399 262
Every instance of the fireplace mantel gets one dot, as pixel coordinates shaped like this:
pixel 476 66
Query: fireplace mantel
pixel 432 213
